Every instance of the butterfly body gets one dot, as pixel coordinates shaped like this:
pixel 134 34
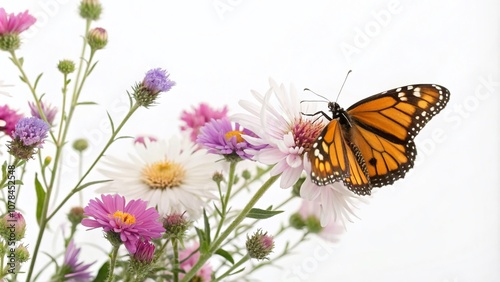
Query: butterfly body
pixel 371 143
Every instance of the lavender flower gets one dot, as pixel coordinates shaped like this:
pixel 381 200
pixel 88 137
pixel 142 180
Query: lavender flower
pixel 29 134
pixel 155 81
pixel 48 110
pixel 220 137
pixel 72 269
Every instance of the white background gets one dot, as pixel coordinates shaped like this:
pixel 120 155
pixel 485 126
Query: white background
pixel 438 224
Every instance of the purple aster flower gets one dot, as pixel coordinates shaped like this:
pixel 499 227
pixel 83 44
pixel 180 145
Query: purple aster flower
pixel 156 81
pixel 8 120
pixel 129 222
pixel 29 134
pixel 197 119
pixel 48 110
pixel 32 131
pixel 219 137
pixel 145 252
pixel 72 269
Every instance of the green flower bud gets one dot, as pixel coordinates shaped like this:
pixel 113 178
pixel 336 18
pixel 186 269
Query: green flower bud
pixel 313 224
pixel 66 66
pixel 260 245
pixel 97 38
pixel 10 42
pixel 90 9
pixel 80 145
pixel 296 221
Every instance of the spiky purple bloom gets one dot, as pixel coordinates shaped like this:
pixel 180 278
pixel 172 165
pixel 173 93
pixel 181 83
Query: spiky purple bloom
pixel 157 80
pixel 48 110
pixel 130 222
pixel 221 137
pixel 145 252
pixel 10 118
pixel 72 269
pixel 31 131
pixel 259 245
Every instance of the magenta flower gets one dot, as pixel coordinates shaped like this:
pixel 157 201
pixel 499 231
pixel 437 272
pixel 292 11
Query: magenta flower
pixel 48 110
pixel 145 252
pixel 72 269
pixel 8 120
pixel 12 226
pixel 199 117
pixel 221 137
pixel 15 24
pixel 131 222
pixel 142 140
pixel 188 261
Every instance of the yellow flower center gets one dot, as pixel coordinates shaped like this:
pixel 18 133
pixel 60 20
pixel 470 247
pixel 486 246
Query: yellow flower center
pixel 236 134
pixel 163 175
pixel 124 217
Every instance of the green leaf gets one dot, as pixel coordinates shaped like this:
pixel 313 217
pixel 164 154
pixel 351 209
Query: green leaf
pixel 102 275
pixel 112 124
pixel 37 80
pixel 21 61
pixel 92 68
pixel 40 198
pixel 207 226
pixel 81 187
pixel 262 214
pixel 225 254
pixel 237 271
pixel 204 246
pixel 86 103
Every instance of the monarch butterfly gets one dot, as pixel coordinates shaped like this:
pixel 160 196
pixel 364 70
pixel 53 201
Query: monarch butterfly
pixel 371 143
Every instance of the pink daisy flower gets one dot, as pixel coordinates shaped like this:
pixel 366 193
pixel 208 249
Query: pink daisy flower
pixel 284 129
pixel 132 221
pixel 188 261
pixel 15 24
pixel 72 269
pixel 198 117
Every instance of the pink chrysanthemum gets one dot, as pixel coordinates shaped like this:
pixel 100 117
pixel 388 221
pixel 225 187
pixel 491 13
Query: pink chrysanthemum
pixel 132 221
pixel 15 24
pixel 285 130
pixel 198 117
pixel 8 120
pixel 223 138
pixel 188 261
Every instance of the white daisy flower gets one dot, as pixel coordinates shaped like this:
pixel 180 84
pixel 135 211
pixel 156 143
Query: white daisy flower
pixel 285 130
pixel 335 200
pixel 174 176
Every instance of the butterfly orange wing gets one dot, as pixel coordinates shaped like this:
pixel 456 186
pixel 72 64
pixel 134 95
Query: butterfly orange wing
pixel 333 158
pixel 384 125
pixel 377 147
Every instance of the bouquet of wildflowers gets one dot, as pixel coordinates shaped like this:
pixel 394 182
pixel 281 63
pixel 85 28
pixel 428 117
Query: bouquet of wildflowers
pixel 178 208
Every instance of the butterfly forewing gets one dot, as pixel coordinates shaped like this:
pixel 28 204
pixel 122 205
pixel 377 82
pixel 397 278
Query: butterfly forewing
pixel 375 147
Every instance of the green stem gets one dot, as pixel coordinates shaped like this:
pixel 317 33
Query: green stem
pixel 241 216
pixel 225 200
pixel 176 267
pixel 234 267
pixel 112 263
pixel 59 145
pixel 110 141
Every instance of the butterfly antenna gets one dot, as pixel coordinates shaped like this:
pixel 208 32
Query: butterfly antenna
pixel 307 89
pixel 345 79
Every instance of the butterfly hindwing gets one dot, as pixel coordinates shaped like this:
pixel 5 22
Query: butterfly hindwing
pixel 334 159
